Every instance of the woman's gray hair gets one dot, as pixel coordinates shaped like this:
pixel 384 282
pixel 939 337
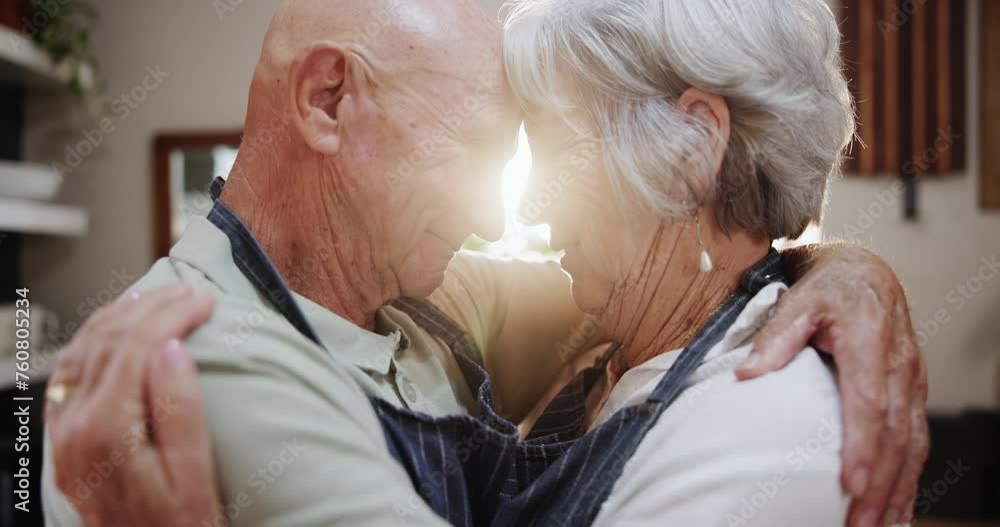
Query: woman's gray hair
pixel 625 63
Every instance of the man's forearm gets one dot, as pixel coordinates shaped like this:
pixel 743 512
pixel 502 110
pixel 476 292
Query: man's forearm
pixel 798 261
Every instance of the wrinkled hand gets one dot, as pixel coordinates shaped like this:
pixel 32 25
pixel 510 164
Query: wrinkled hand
pixel 850 305
pixel 135 417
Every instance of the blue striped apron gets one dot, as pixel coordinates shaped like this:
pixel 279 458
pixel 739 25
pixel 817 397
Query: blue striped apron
pixel 472 469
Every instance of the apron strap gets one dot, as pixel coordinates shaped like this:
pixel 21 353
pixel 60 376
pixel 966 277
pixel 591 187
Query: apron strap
pixel 256 266
pixel 428 316
pixel 766 271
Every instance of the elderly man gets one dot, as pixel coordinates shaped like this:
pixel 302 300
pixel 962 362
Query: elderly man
pixel 313 265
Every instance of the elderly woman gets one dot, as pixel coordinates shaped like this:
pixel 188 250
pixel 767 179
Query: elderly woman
pixel 685 136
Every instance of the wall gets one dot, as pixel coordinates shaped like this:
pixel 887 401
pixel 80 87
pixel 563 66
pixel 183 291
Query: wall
pixel 207 63
pixel 210 61
pixel 936 255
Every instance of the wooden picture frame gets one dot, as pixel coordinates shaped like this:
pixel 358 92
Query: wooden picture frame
pixel 907 74
pixel 163 145
pixel 989 87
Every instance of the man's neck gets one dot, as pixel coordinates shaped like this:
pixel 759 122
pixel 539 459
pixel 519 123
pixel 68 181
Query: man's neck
pixel 321 251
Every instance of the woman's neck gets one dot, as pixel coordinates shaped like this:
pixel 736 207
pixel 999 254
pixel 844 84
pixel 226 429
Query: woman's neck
pixel 663 307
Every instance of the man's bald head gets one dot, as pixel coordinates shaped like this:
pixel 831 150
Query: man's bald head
pixel 391 117
pixel 397 37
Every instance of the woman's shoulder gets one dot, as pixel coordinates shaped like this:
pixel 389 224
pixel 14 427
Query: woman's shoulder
pixel 729 452
pixel 785 407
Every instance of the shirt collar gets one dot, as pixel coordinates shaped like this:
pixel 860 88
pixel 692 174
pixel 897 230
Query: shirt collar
pixel 368 350
pixel 386 325
pixel 206 248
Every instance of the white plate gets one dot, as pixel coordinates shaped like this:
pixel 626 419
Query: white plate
pixel 28 180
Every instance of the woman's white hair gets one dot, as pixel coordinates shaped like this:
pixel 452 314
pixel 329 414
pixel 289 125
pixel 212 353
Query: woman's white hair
pixel 626 62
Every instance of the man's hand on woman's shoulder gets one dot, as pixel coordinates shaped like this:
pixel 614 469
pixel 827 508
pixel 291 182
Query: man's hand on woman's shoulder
pixel 848 302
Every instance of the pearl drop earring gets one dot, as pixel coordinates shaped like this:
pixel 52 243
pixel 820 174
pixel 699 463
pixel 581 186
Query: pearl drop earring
pixel 705 261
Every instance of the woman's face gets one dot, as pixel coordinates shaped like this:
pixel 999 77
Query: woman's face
pixel 569 190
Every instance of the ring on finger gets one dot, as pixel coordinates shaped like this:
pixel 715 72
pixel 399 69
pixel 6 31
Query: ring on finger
pixel 59 393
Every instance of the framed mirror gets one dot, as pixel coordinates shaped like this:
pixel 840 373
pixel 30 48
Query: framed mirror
pixel 184 165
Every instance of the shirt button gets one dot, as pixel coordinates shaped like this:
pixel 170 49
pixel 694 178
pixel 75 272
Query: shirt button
pixel 383 361
pixel 409 391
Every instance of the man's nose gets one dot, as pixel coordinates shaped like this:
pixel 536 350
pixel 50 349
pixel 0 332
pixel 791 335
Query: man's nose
pixel 490 220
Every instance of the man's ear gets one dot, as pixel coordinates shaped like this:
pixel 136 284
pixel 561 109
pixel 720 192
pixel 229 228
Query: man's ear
pixel 320 87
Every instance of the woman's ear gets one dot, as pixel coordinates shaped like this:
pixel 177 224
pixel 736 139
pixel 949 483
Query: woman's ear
pixel 713 111
pixel 320 86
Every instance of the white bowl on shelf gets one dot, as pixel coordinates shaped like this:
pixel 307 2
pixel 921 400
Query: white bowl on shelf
pixel 29 181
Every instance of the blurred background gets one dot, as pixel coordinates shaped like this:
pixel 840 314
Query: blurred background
pixel 116 114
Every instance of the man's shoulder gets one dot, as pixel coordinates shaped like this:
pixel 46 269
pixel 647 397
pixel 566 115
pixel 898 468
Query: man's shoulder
pixel 243 332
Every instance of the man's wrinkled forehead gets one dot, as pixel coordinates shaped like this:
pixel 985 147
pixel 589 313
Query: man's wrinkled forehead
pixel 462 51
pixel 435 19
pixel 442 30
pixel 450 55
pixel 486 107
pixel 494 98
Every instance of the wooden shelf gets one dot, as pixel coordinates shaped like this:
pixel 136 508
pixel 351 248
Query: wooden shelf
pixel 31 217
pixel 22 62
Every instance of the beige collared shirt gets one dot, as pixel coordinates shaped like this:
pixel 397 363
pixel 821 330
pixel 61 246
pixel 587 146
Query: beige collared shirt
pixel 295 438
